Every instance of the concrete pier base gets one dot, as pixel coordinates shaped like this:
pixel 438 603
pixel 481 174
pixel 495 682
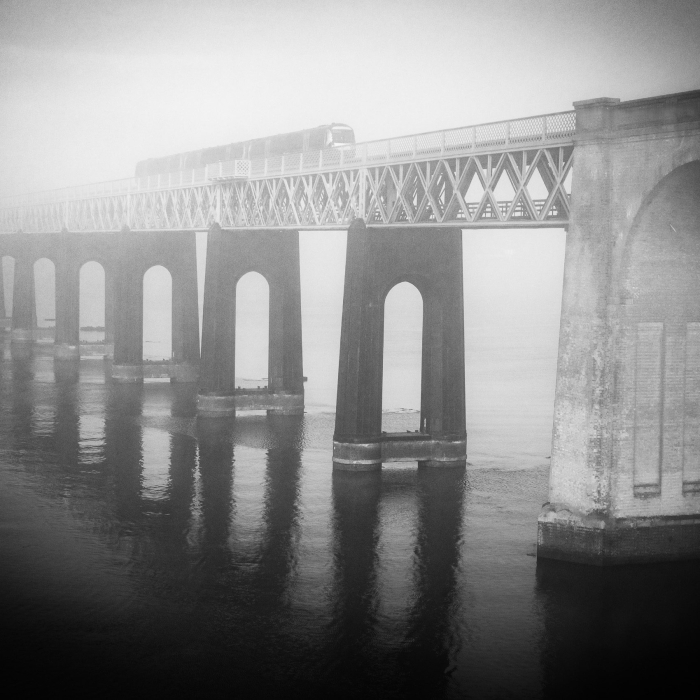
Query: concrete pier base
pixel 275 403
pixel 105 350
pixel 399 447
pixel 22 335
pixel 128 374
pixel 602 541
pixel 180 372
pixel 65 351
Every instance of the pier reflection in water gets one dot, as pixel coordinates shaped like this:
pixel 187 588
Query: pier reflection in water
pixel 149 552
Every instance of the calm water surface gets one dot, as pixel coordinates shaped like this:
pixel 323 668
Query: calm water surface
pixel 145 553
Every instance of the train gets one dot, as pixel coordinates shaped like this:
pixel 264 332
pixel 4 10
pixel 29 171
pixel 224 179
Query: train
pixel 325 136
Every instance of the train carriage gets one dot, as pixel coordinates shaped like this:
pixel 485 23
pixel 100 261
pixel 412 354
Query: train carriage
pixel 325 136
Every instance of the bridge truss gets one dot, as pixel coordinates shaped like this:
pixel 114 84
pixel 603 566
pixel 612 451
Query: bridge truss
pixel 506 174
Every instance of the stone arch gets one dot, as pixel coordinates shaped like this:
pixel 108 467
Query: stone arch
pixel 136 254
pixel 157 323
pixel 377 260
pixel 658 349
pixel 249 344
pixel 230 255
pixel 662 252
pixel 90 312
pixel 399 388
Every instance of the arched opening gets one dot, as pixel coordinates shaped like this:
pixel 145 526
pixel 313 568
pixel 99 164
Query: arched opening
pixel 252 331
pixel 403 339
pixel 660 345
pixel 92 304
pixel 7 289
pixel 45 298
pixel 157 314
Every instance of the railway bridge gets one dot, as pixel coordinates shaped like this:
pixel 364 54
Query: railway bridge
pixel 625 474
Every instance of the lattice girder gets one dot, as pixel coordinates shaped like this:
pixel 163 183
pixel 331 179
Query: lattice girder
pixel 456 190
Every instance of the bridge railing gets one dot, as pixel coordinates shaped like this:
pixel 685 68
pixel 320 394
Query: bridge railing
pixel 480 138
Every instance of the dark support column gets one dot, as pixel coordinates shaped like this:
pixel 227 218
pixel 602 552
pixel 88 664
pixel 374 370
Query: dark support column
pixel 185 310
pixel 128 311
pixel 285 371
pixel 378 259
pixel 217 370
pixel 23 302
pixel 67 340
pixel 110 281
pixel 230 255
pixel 5 319
pixel 3 312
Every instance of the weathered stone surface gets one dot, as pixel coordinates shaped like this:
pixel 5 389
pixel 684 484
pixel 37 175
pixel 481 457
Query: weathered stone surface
pixel 625 443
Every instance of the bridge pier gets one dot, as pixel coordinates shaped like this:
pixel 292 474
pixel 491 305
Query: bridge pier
pixel 5 322
pixel 230 255
pixel 23 299
pixel 110 285
pixel 625 470
pixel 137 252
pixel 377 260
pixel 67 339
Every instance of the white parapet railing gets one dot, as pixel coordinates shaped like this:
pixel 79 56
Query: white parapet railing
pixel 467 140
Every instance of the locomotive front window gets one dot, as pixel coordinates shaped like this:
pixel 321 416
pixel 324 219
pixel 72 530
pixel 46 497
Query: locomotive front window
pixel 343 135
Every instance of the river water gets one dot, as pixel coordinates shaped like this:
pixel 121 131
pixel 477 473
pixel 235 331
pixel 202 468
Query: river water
pixel 146 553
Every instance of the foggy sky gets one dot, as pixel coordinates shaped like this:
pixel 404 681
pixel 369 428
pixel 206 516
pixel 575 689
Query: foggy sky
pixel 89 87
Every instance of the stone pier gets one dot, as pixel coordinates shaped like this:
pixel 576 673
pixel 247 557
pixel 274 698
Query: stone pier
pixel 23 299
pixel 137 252
pixel 377 260
pixel 230 255
pixel 625 472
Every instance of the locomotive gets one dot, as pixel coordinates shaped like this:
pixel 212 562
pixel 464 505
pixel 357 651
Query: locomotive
pixel 326 136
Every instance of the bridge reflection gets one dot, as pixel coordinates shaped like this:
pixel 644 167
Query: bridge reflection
pixel 165 494
pixel 429 639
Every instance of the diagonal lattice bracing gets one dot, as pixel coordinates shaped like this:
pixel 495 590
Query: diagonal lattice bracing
pixel 507 174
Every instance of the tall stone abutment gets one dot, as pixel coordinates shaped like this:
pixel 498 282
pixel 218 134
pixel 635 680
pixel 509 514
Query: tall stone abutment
pixel 376 261
pixel 231 254
pixel 625 472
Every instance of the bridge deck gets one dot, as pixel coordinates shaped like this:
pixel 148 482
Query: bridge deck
pixel 503 174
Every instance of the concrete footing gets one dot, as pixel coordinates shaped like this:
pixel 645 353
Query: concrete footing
pixel 22 335
pixel 399 447
pixel 275 403
pixel 64 351
pixel 105 350
pixel 605 541
pixel 175 371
